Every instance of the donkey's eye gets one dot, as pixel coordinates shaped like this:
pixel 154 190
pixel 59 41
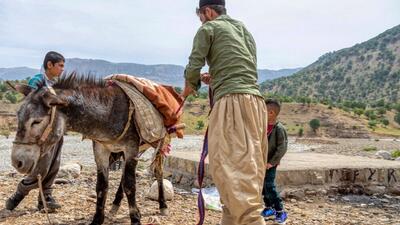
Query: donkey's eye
pixel 36 122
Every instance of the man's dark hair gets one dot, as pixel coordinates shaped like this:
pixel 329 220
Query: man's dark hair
pixel 274 104
pixel 219 9
pixel 53 57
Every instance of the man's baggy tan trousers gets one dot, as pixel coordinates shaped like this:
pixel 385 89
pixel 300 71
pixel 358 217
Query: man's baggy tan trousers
pixel 238 156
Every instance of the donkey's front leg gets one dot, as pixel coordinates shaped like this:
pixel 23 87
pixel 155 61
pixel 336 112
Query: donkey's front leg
pixel 102 156
pixel 129 186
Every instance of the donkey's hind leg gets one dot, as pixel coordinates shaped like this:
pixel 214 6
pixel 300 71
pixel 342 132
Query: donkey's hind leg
pixel 129 187
pixel 158 172
pixel 117 200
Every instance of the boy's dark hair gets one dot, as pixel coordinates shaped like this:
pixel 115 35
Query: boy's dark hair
pixel 53 57
pixel 219 9
pixel 274 104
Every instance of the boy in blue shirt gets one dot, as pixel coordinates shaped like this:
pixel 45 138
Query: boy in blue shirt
pixel 49 164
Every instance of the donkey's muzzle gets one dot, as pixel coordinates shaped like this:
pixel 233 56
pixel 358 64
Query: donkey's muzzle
pixel 24 158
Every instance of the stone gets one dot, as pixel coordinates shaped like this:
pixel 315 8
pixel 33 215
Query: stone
pixel 370 190
pixel 384 154
pixel 385 201
pixel 293 200
pixel 311 193
pixel 61 181
pixel 168 191
pixel 70 171
pixel 346 199
pixel 398 159
pixel 297 194
pixel 395 190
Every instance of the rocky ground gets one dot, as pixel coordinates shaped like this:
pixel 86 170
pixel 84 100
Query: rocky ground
pixel 78 196
pixel 78 201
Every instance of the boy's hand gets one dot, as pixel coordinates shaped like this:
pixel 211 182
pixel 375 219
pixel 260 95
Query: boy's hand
pixel 206 78
pixel 269 166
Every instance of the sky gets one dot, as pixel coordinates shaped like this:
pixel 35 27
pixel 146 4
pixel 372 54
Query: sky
pixel 288 33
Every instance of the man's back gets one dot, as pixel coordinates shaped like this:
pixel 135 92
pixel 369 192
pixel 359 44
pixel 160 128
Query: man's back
pixel 230 51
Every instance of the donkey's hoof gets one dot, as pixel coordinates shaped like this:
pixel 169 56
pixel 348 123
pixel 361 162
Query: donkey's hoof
pixel 164 212
pixel 114 210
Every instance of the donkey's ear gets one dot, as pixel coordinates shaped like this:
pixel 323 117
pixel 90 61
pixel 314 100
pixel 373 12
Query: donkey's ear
pixel 23 89
pixel 50 100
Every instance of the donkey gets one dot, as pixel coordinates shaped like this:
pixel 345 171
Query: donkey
pixel 95 109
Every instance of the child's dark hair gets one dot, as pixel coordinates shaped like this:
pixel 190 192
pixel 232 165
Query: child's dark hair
pixel 274 104
pixel 53 57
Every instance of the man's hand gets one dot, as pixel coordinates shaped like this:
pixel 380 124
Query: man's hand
pixel 206 78
pixel 186 91
pixel 269 166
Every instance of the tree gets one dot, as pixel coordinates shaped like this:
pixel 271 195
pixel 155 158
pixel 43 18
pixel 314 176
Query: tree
pixel 397 118
pixel 178 89
pixel 382 111
pixel 190 99
pixel 370 114
pixel 315 124
pixel 3 87
pixel 358 112
pixel 385 121
pixel 397 107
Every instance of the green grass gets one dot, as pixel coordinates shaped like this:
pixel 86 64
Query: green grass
pixel 396 154
pixel 391 131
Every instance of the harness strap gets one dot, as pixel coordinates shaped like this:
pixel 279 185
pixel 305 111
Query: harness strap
pixel 200 178
pixel 127 125
pixel 201 168
pixel 49 127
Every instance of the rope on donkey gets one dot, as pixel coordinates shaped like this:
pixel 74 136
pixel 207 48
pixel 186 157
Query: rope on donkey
pixel 43 198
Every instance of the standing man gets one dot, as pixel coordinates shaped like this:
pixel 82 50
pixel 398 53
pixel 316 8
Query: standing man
pixel 49 164
pixel 237 126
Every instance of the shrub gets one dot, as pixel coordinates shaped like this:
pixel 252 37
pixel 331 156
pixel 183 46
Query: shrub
pixel 315 124
pixel 396 154
pixel 301 132
pixel 372 124
pixel 10 97
pixel 200 125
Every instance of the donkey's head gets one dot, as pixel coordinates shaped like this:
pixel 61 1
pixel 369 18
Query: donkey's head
pixel 40 127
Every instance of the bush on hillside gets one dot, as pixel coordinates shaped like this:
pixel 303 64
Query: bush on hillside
pixel 315 124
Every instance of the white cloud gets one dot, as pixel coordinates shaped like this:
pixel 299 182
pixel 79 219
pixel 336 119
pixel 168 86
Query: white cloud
pixel 288 33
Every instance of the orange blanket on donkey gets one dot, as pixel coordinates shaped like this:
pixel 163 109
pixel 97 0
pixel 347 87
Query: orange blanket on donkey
pixel 166 100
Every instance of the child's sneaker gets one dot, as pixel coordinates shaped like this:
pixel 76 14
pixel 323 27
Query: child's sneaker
pixel 268 212
pixel 281 217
